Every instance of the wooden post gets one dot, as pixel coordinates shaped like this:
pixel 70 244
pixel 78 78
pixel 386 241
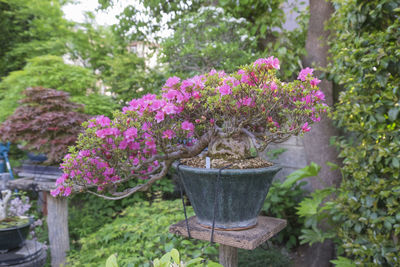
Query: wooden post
pixel 57 221
pixel 228 256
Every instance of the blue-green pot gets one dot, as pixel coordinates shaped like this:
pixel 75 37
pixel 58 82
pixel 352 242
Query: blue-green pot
pixel 239 199
pixel 14 236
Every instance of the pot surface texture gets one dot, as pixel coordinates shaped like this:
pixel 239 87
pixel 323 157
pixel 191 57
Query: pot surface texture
pixel 14 237
pixel 238 197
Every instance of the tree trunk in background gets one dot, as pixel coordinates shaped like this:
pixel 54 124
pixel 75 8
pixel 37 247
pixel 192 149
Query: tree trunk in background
pixel 316 142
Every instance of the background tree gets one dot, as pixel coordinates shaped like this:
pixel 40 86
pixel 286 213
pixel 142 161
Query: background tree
pixel 51 72
pixel 262 20
pixel 317 144
pixel 208 39
pixel 29 29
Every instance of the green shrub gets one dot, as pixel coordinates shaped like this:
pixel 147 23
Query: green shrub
pixel 46 71
pixel 138 235
pixel 282 200
pixel 366 64
pixel 88 213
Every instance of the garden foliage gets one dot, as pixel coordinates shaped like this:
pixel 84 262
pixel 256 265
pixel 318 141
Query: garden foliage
pixel 282 200
pixel 47 71
pixel 29 29
pixel 139 235
pixel 46 122
pixel 206 39
pixel 366 63
pixel 365 214
pixel 261 28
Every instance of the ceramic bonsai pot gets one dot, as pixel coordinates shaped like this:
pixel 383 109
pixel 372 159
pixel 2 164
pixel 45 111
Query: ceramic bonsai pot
pixel 239 199
pixel 14 236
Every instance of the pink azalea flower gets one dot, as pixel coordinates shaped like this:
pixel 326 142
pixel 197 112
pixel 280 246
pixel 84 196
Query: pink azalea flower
pixel 314 82
pixel 123 145
pixel 273 86
pixel 305 128
pixel 169 109
pixel 198 81
pixel 134 146
pixel 172 81
pixel 91 124
pixel 196 95
pixel 62 179
pixel 150 144
pixel 187 126
pixel 146 126
pixel 156 105
pixel 159 116
pixel 320 95
pixel 169 134
pixel 171 94
pixel 304 73
pixel 186 84
pixel 131 133
pixel 108 131
pixel 212 72
pixel 225 90
pixel 67 191
pixel 103 121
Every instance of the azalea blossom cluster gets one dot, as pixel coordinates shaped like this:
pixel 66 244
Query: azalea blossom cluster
pixel 188 116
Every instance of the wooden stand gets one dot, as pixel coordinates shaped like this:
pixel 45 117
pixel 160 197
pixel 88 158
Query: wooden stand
pixel 229 241
pixel 57 218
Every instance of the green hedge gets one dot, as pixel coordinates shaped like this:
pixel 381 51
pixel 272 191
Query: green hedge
pixel 366 63
pixel 138 235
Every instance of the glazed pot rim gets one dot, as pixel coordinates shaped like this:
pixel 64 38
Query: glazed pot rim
pixel 19 226
pixel 275 167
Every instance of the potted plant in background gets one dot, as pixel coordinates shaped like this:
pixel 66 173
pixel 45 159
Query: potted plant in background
pixel 235 116
pixel 14 227
pixel 46 124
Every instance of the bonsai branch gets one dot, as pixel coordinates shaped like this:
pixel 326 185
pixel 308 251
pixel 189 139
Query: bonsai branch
pixel 142 187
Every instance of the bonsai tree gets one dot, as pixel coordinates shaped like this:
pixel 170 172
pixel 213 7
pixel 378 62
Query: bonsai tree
pixel 235 116
pixel 46 122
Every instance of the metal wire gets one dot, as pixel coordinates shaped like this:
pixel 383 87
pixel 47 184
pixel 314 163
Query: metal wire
pixel 216 193
pixel 183 200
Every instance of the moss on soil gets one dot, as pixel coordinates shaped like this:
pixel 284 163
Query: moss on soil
pixel 10 222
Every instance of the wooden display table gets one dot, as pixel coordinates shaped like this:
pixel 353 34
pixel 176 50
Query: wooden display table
pixel 230 241
pixel 57 216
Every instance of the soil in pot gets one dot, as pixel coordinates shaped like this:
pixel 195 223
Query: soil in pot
pixel 11 222
pixel 232 162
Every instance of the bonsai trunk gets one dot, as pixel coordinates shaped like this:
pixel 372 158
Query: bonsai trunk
pixel 6 194
pixel 237 146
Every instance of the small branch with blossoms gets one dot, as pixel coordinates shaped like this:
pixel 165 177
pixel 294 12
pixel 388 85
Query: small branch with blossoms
pixel 250 107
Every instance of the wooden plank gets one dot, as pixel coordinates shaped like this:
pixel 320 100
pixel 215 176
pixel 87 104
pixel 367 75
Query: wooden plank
pixel 57 221
pixel 30 184
pixel 228 256
pixel 249 239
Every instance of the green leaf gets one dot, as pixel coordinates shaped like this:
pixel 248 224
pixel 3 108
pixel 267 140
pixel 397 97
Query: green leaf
pixel 395 162
pixel 343 262
pixel 308 171
pixel 393 112
pixel 175 255
pixel 112 261
pixel 214 264
pixel 194 262
pixel 309 206
pixel 332 165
